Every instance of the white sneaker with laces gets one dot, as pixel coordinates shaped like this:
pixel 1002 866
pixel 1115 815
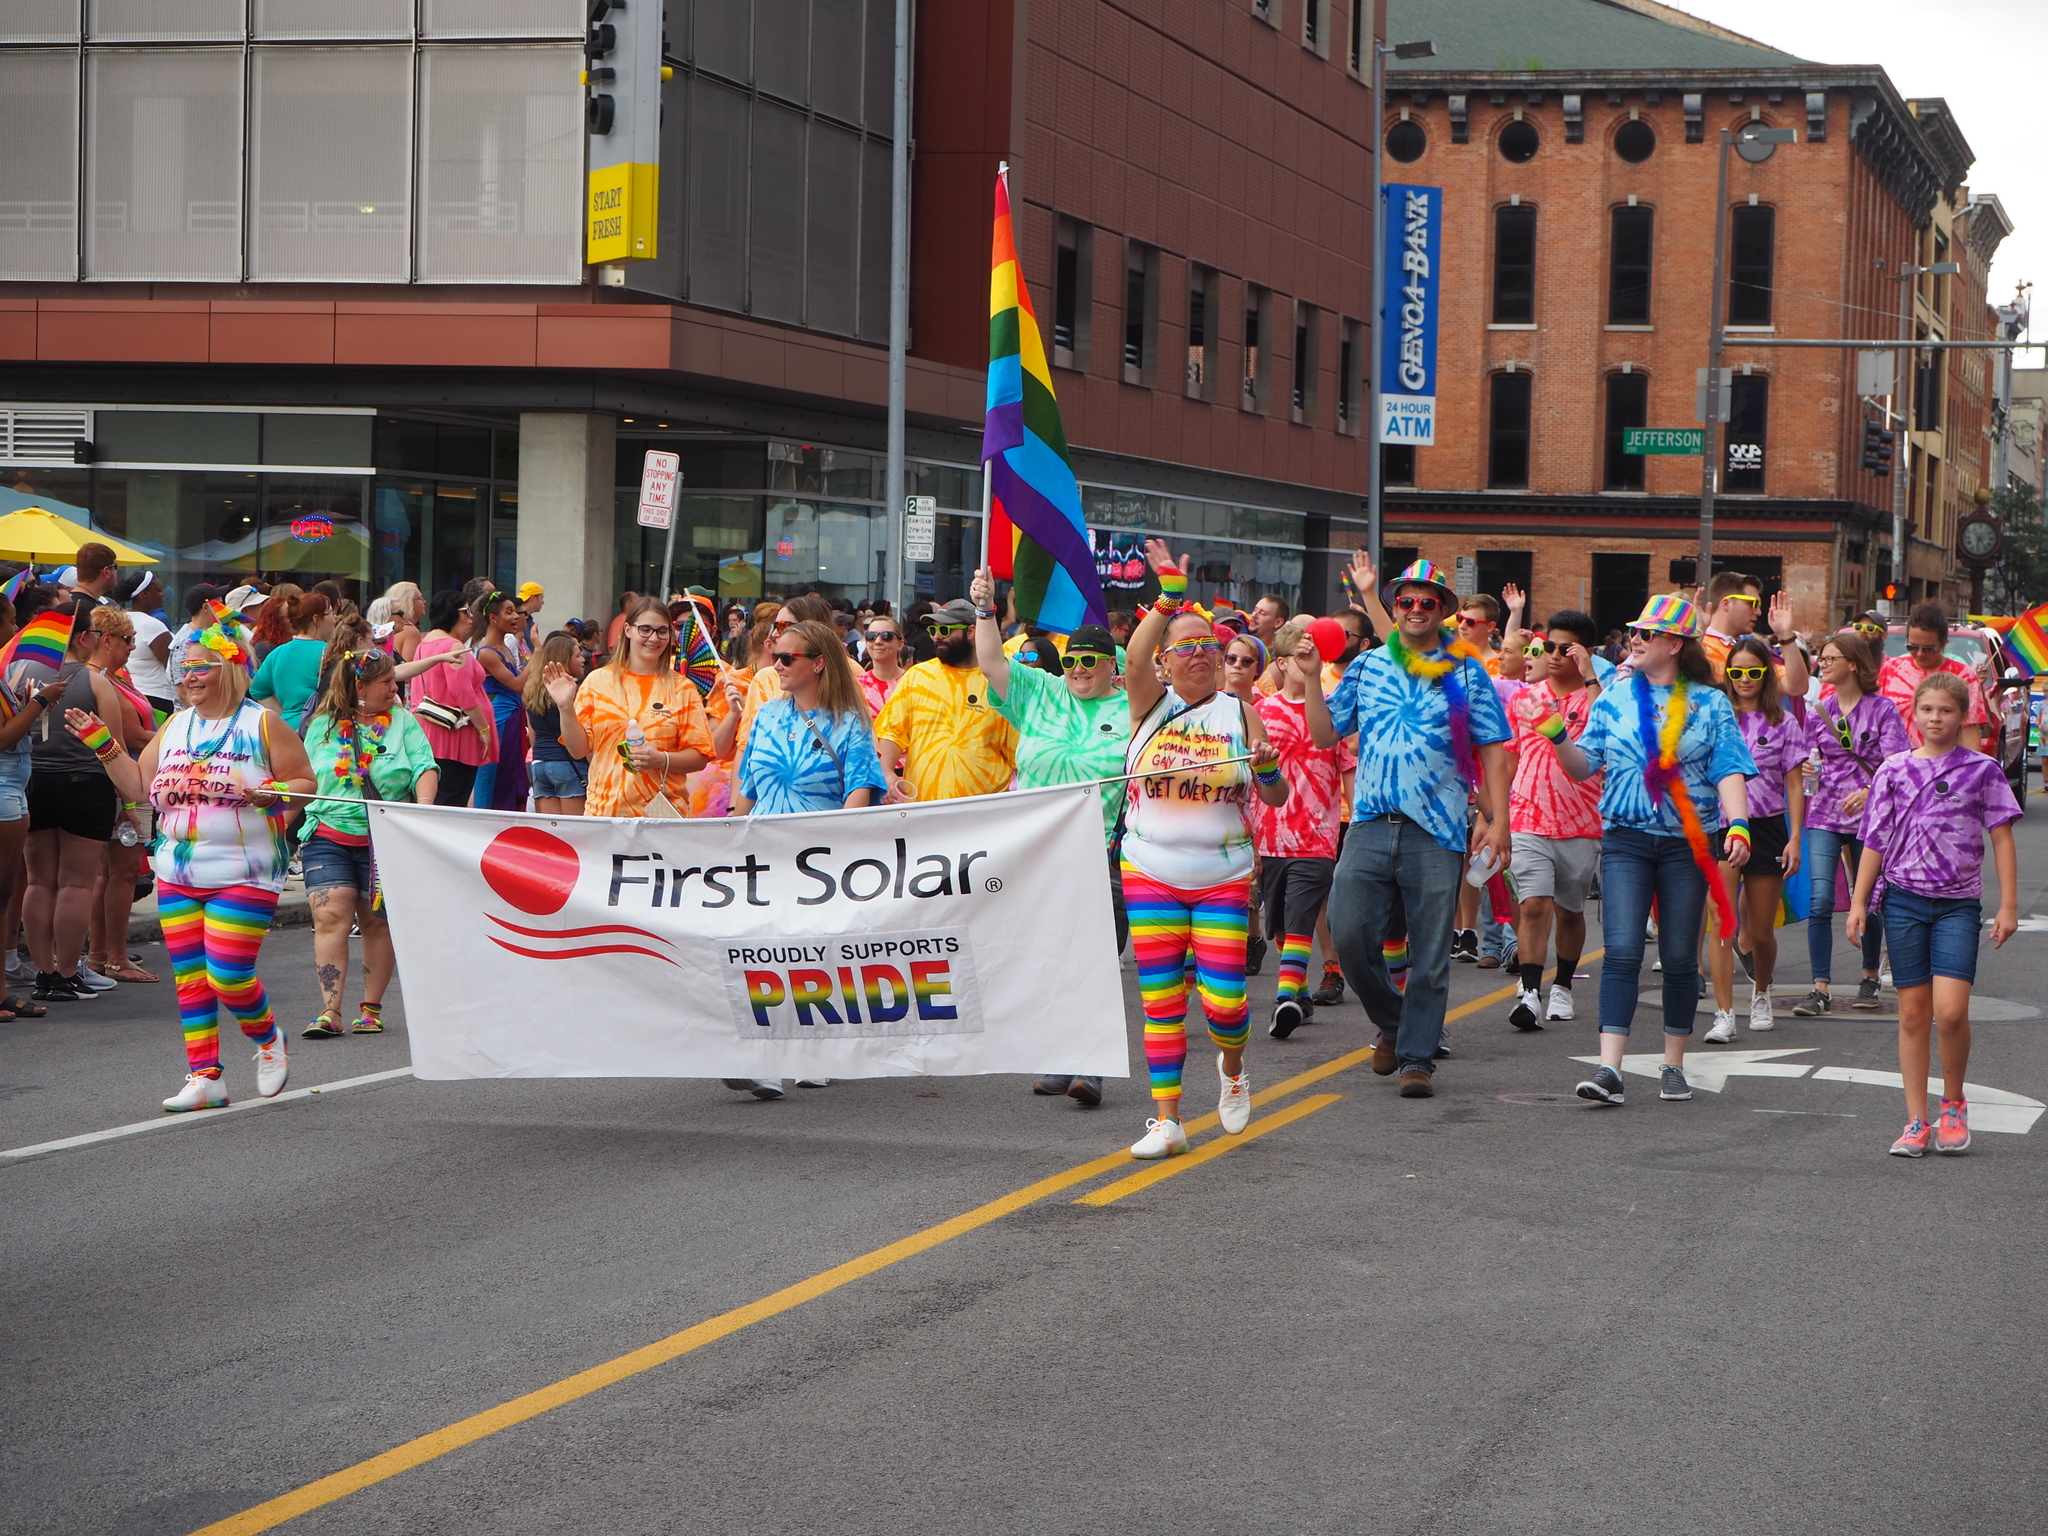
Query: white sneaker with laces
pixel 199 1092
pixel 1162 1138
pixel 1761 1019
pixel 271 1068
pixel 1234 1104
pixel 1724 1027
pixel 1523 1014
pixel 92 980
pixel 1560 1009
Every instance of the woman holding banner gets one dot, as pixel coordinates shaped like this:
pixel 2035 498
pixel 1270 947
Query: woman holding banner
pixel 644 720
pixel 1187 848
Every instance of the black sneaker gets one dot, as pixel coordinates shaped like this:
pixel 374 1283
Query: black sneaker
pixel 1443 1044
pixel 1254 956
pixel 1748 963
pixel 1869 994
pixel 1671 1083
pixel 1308 1009
pixel 1812 1006
pixel 1286 1018
pixel 1465 945
pixel 1603 1087
pixel 53 987
pixel 1052 1085
pixel 1331 992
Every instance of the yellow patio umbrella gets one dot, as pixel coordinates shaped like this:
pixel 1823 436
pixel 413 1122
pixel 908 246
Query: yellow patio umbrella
pixel 38 535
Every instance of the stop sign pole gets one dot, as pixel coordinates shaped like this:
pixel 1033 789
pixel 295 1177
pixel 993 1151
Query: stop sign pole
pixel 660 473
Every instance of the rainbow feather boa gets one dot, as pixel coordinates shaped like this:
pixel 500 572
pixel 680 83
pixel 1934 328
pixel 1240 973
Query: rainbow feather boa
pixel 1665 779
pixel 1444 669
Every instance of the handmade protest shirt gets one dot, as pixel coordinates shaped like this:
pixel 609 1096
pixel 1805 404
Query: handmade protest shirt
pixel 209 836
pixel 1188 825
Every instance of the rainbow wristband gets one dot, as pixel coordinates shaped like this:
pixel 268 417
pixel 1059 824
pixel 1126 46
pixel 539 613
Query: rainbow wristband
pixel 100 741
pixel 1552 726
pixel 1173 582
pixel 1738 827
pixel 1268 775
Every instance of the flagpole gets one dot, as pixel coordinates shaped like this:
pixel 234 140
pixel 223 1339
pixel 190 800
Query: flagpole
pixel 987 485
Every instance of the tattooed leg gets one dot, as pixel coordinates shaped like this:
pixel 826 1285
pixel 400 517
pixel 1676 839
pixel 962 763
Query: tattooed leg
pixel 334 909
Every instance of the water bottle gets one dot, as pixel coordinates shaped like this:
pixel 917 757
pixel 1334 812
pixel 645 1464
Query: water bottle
pixel 635 739
pixel 1481 869
pixel 126 835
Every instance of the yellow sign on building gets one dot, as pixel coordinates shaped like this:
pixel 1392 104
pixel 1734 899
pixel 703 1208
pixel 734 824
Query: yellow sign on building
pixel 620 213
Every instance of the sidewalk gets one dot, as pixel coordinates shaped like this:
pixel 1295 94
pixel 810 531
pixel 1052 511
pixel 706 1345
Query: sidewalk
pixel 292 912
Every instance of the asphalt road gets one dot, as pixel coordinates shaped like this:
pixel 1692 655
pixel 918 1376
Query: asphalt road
pixel 1498 1310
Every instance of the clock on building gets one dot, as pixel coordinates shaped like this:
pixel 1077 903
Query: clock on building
pixel 1978 537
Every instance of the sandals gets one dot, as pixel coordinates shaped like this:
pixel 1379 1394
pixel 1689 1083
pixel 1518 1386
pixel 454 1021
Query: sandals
pixel 368 1022
pixel 127 971
pixel 22 1009
pixel 324 1027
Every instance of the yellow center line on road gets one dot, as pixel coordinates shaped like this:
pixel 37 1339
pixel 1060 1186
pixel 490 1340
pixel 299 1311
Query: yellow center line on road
pixel 430 1447
pixel 1166 1168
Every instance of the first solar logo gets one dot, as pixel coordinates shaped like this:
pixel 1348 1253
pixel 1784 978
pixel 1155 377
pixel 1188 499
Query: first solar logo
pixel 854 987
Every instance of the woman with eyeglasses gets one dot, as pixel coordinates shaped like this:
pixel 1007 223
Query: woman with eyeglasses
pixel 1778 744
pixel 1072 728
pixel 885 663
pixel 363 745
pixel 1187 847
pixel 501 783
pixel 644 720
pixel 1854 729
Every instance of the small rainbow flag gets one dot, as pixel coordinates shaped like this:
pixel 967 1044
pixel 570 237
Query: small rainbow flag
pixel 2027 642
pixel 21 578
pixel 1036 537
pixel 45 638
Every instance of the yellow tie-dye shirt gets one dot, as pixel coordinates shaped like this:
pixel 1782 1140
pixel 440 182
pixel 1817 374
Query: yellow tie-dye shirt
pixel 954 742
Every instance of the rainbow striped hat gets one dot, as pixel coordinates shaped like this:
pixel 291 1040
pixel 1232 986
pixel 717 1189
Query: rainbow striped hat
pixel 1427 573
pixel 1669 614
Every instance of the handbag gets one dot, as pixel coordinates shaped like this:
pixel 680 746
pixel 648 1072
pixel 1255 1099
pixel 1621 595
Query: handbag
pixel 446 716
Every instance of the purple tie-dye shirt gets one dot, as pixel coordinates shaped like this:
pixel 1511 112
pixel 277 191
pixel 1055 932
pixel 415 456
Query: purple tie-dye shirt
pixel 1928 817
pixel 1778 749
pixel 1875 733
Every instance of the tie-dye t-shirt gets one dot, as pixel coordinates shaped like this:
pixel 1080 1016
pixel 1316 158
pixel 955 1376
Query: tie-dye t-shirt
pixel 1306 826
pixel 1709 749
pixel 1544 800
pixel 954 741
pixel 1777 751
pixel 1875 732
pixel 787 768
pixel 1189 825
pixel 1900 675
pixel 1062 739
pixel 1928 817
pixel 208 835
pixel 1405 760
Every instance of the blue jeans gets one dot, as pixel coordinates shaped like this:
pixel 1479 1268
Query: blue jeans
pixel 1931 936
pixel 1634 867
pixel 1824 851
pixel 1386 866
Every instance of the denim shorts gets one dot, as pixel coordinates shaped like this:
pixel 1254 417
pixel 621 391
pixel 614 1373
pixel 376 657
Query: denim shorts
pixel 330 865
pixel 14 771
pixel 1931 936
pixel 559 780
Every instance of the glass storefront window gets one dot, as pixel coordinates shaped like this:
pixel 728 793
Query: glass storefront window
pixel 399 521
pixel 957 545
pixel 454 535
pixel 312 531
pixel 203 525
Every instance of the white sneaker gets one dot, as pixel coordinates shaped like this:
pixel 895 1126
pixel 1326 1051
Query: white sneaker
pixel 271 1068
pixel 199 1093
pixel 1234 1105
pixel 19 969
pixel 1724 1027
pixel 1162 1138
pixel 814 1082
pixel 1523 1014
pixel 1560 1009
pixel 92 980
pixel 1761 1019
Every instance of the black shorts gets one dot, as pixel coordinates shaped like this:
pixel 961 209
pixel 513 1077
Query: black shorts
pixel 1292 893
pixel 1768 839
pixel 83 804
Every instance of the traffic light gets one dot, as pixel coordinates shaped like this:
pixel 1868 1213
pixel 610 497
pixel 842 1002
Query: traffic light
pixel 1877 448
pixel 1890 592
pixel 623 72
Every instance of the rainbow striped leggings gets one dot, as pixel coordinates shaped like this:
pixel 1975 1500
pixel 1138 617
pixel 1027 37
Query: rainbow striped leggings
pixel 1163 920
pixel 213 937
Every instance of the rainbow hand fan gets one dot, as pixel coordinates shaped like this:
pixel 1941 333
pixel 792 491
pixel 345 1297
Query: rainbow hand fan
pixel 696 657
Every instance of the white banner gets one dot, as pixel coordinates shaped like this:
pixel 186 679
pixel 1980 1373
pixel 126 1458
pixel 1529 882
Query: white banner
pixel 945 939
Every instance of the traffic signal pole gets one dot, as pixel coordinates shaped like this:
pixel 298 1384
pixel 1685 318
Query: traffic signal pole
pixel 1710 460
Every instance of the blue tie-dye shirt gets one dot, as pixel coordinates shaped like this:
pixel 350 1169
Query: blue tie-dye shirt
pixel 1403 723
pixel 786 767
pixel 1710 748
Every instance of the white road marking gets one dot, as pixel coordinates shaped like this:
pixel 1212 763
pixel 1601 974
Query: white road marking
pixel 1712 1069
pixel 1991 1109
pixel 2033 922
pixel 196 1117
pixel 1824 1114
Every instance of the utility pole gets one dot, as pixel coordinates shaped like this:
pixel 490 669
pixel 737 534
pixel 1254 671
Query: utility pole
pixel 1424 49
pixel 899 317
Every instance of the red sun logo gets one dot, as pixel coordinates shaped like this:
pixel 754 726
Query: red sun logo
pixel 532 870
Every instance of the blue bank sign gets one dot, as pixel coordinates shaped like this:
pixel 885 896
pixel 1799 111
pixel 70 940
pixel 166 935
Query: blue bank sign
pixel 1408 303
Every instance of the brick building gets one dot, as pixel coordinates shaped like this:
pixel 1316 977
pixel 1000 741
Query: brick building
pixel 286 268
pixel 1576 141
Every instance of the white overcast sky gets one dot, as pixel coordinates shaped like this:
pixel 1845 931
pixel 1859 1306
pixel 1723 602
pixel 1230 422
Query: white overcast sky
pixel 1989 58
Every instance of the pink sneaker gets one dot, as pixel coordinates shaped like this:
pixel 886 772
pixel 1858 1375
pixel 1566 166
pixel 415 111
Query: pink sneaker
pixel 1913 1140
pixel 1952 1127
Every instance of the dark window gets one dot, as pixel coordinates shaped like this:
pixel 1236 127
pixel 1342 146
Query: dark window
pixel 1507 452
pixel 1398 557
pixel 1406 141
pixel 1065 280
pixel 1141 268
pixel 1514 266
pixel 1253 397
pixel 1201 374
pixel 1628 267
pixel 1749 407
pixel 1927 395
pixel 1518 142
pixel 1357 38
pixel 1347 377
pixel 1635 141
pixel 1305 364
pixel 1621 586
pixel 1397 464
pixel 1749 266
pixel 1503 568
pixel 1628 405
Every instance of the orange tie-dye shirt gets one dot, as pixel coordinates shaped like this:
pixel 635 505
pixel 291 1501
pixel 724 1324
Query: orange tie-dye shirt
pixel 673 719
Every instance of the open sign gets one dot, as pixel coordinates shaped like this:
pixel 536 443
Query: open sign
pixel 312 528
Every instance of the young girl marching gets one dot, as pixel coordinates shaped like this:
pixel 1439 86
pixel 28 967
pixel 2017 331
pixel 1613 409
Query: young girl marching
pixel 1777 816
pixel 1923 867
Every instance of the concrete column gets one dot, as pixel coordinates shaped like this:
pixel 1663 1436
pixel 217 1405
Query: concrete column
pixel 566 465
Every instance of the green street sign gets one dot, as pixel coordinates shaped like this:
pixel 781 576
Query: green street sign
pixel 1687 440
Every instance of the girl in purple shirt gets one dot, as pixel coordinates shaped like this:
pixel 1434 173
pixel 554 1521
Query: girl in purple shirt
pixel 1777 812
pixel 1923 864
pixel 1854 729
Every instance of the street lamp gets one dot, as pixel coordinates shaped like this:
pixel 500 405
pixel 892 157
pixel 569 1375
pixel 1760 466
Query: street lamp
pixel 1425 49
pixel 1756 144
pixel 1900 490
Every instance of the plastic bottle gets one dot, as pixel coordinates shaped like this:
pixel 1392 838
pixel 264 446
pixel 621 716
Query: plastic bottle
pixel 635 739
pixel 126 835
pixel 1481 869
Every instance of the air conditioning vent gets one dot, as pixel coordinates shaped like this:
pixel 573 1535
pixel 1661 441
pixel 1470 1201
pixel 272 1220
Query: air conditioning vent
pixel 41 436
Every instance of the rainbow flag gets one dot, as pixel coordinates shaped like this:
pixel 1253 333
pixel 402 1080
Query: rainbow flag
pixel 2027 642
pixel 45 638
pixel 20 579
pixel 1036 537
